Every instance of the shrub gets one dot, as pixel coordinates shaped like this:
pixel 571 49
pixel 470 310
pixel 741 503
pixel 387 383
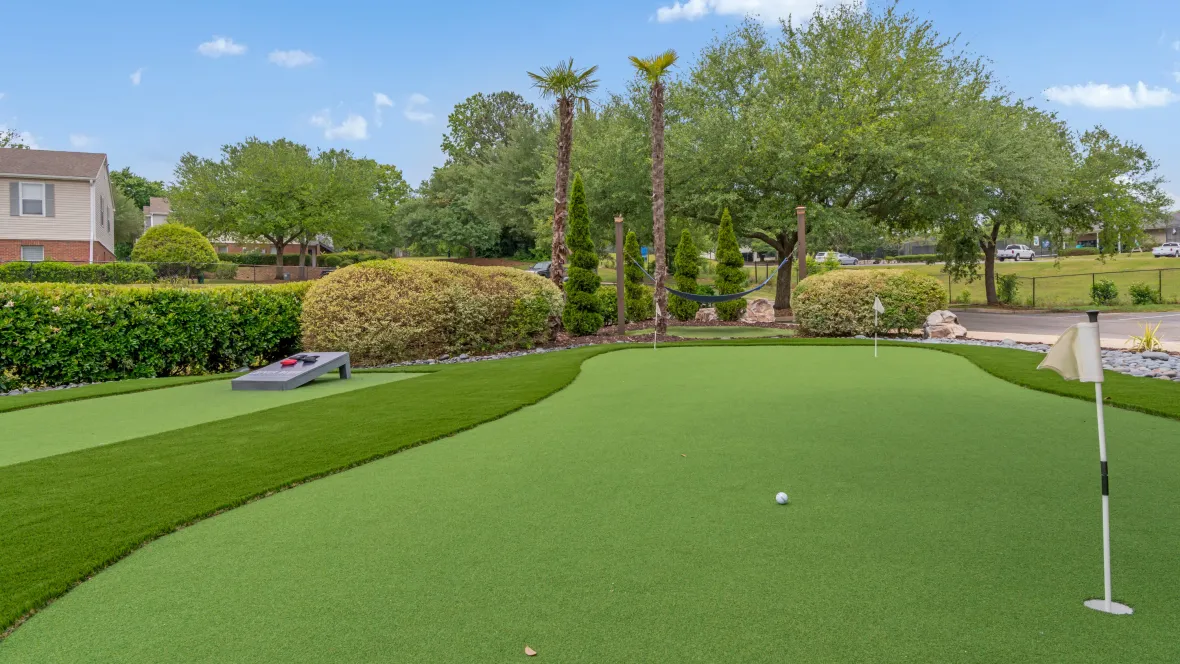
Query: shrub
pixel 914 258
pixel 1141 293
pixel 639 303
pixel 815 267
pixel 96 273
pixel 1007 287
pixel 731 271
pixel 1079 251
pixel 174 249
pixel 54 334
pixel 688 267
pixel 1104 291
pixel 225 271
pixel 346 258
pixel 608 304
pixel 394 310
pixel 581 315
pixel 964 296
pixel 840 303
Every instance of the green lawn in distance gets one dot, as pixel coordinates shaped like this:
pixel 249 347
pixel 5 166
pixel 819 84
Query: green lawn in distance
pixel 630 517
pixel 44 431
pixel 718 332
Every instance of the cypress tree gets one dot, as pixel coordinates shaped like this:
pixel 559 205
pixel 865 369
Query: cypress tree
pixel 731 272
pixel 581 315
pixel 638 297
pixel 688 268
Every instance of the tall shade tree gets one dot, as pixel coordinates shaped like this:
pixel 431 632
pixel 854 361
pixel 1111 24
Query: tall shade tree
pixel 852 114
pixel 653 70
pixel 128 223
pixel 483 122
pixel 570 87
pixel 137 187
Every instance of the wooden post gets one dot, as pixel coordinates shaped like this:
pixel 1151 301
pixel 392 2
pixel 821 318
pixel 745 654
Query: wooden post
pixel 619 278
pixel 801 245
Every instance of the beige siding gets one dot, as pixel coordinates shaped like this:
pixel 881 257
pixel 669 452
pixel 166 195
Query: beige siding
pixel 71 210
pixel 104 233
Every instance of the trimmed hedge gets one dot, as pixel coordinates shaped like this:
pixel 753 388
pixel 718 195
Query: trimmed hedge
pixel 914 258
pixel 1079 251
pixel 55 334
pixel 174 249
pixel 393 310
pixel 69 273
pixel 840 303
pixel 346 258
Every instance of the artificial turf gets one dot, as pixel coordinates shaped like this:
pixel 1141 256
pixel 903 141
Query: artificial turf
pixel 34 399
pixel 719 332
pixel 937 515
pixel 34 433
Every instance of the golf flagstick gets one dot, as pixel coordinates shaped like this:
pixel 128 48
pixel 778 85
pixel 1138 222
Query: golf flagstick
pixel 878 308
pixel 1077 355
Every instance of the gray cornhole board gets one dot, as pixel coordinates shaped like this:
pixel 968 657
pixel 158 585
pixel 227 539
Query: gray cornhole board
pixel 277 377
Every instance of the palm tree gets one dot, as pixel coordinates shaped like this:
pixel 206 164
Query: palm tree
pixel 653 69
pixel 570 87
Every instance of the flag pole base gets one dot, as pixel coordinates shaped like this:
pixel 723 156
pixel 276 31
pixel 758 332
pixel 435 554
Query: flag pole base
pixel 1114 608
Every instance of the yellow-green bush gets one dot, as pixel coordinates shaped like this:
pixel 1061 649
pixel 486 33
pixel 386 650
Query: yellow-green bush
pixel 840 303
pixel 396 310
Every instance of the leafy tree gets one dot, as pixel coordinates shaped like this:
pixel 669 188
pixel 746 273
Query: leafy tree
pixel 277 191
pixel 688 268
pixel 441 214
pixel 128 223
pixel 653 70
pixel 392 190
pixel 852 114
pixel 581 315
pixel 731 270
pixel 505 186
pixel 9 138
pixel 570 87
pixel 137 188
pixel 481 123
pixel 637 297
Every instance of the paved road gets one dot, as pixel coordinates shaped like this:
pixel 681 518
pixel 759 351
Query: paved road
pixel 1113 325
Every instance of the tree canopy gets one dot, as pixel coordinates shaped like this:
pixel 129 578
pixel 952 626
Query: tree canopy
pixel 137 187
pixel 481 123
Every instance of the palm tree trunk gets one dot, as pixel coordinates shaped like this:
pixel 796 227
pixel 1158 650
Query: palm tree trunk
pixel 657 204
pixel 565 137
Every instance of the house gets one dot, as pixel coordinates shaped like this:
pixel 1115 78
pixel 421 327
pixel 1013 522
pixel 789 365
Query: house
pixel 55 206
pixel 156 212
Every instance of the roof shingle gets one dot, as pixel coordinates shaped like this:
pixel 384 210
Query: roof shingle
pixel 50 163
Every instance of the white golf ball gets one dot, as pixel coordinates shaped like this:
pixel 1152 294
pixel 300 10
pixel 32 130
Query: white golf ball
pixel 781 498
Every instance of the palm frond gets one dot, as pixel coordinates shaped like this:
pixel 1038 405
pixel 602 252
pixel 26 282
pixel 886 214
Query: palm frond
pixel 565 81
pixel 654 68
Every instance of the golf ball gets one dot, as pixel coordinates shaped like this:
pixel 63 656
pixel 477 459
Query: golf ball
pixel 781 498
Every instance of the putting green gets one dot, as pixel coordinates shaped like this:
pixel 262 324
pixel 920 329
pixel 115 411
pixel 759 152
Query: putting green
pixel 60 428
pixel 937 514
pixel 719 332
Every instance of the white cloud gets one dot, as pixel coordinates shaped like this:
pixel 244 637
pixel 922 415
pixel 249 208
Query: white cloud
pixel 23 137
pixel 1101 95
pixel 220 46
pixel 1175 75
pixel 1 95
pixel 354 127
pixel 292 59
pixel 380 101
pixel 414 112
pixel 1176 45
pixel 80 141
pixel 137 76
pixel 767 10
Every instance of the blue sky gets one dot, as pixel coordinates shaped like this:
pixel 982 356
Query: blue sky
pixel 146 82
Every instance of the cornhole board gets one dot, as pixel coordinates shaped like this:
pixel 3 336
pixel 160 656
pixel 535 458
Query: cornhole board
pixel 304 370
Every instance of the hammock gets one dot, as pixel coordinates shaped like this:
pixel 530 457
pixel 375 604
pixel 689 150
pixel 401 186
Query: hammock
pixel 714 299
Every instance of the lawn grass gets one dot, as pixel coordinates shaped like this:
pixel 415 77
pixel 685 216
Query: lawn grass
pixel 718 332
pixel 70 515
pixel 920 530
pixel 65 427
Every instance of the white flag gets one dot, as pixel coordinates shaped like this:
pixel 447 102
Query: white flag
pixel 1077 355
pixel 877 306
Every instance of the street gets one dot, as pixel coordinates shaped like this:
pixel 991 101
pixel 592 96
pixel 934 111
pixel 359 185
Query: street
pixel 1115 327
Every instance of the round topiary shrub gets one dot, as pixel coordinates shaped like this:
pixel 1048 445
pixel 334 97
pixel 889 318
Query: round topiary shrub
pixel 174 249
pixel 840 303
pixel 396 310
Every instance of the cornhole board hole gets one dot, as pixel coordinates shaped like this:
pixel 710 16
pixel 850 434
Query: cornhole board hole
pixel 291 372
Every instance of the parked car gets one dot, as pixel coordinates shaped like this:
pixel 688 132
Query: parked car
pixel 541 268
pixel 843 259
pixel 1167 249
pixel 1016 252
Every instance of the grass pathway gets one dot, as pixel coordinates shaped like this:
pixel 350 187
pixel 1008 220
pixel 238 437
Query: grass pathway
pixel 630 518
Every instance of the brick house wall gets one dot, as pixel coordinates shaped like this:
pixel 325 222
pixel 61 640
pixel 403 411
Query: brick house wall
pixel 71 251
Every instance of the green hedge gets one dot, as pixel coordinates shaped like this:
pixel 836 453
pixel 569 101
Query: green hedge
pixel 69 273
pixel 340 259
pixel 840 303
pixel 1079 251
pixel 346 258
pixel 55 334
pixel 914 258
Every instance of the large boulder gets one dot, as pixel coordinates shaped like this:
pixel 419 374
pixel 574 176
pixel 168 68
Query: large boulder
pixel 706 315
pixel 759 310
pixel 943 324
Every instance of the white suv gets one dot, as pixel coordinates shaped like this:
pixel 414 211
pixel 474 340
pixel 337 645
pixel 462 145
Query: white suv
pixel 1167 249
pixel 1016 252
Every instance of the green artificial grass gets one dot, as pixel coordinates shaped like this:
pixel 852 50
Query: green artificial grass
pixel 718 332
pixel 67 516
pixel 65 427
pixel 937 515
pixel 32 399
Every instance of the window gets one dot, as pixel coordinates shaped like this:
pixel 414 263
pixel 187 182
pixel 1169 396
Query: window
pixel 34 253
pixel 32 199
